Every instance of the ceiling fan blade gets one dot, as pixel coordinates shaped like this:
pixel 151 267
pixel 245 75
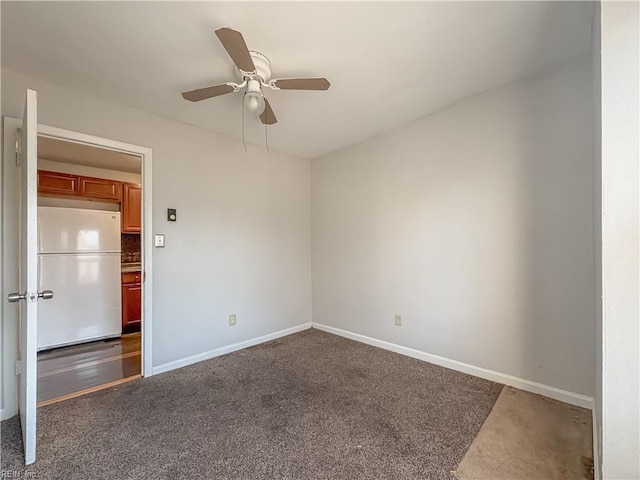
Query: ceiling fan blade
pixel 302 83
pixel 234 44
pixel 267 117
pixel 207 92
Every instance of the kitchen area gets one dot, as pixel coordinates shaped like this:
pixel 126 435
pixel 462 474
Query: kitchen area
pixel 89 254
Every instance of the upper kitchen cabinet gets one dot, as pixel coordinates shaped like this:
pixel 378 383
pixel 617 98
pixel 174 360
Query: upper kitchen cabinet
pixel 131 207
pixel 100 188
pixel 54 183
pixel 89 188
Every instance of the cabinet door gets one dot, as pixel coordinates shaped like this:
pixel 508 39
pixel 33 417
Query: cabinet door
pixel 131 306
pixel 132 277
pixel 53 183
pixel 100 188
pixel 131 208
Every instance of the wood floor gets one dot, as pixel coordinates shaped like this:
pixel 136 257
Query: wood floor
pixel 530 436
pixel 70 371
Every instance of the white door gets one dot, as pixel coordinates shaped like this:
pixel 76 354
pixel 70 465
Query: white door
pixel 28 294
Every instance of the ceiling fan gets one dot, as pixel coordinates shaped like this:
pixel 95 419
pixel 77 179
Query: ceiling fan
pixel 255 70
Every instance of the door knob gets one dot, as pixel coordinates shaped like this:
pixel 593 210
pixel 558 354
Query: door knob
pixel 16 297
pixel 45 294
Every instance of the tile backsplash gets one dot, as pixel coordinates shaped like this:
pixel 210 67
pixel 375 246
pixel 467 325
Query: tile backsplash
pixel 130 248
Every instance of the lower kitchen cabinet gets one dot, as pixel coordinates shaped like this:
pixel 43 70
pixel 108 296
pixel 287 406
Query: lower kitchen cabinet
pixel 131 301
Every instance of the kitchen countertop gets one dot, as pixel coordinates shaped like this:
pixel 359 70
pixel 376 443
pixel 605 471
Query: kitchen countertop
pixel 130 267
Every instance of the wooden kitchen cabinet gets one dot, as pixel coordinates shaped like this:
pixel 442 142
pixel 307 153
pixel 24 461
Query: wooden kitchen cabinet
pixel 54 183
pixel 131 301
pixel 100 188
pixel 89 188
pixel 131 208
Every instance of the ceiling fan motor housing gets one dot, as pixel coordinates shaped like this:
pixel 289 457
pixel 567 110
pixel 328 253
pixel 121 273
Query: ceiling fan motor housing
pixel 262 64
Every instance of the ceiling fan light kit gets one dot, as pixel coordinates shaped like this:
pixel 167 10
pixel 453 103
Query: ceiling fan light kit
pixel 254 69
pixel 253 103
pixel 253 99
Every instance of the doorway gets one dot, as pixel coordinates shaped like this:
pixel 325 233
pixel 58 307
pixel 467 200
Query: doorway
pixel 89 254
pixel 11 247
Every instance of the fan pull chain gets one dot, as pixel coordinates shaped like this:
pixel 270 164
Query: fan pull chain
pixel 266 139
pixel 243 142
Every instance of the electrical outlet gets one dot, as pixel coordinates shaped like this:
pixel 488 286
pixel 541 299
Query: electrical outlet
pixel 232 320
pixel 398 321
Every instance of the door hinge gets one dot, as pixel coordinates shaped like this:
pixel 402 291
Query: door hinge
pixel 18 156
pixel 18 367
pixel 18 148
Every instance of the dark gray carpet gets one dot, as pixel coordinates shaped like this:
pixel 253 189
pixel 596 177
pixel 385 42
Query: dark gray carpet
pixel 308 406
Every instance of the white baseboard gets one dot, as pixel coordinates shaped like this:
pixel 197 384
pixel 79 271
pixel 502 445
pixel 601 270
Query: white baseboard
pixel 166 367
pixel 6 414
pixel 527 385
pixel 596 449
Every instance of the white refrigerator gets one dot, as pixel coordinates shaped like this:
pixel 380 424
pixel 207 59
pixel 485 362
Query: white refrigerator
pixel 79 259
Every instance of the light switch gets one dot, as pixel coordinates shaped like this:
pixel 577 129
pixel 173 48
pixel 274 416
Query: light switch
pixel 159 241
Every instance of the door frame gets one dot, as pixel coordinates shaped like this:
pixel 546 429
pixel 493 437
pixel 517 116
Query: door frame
pixel 10 124
pixel 147 233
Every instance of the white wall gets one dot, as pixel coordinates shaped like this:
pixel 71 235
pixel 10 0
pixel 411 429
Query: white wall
pixel 475 224
pixel 620 335
pixel 241 243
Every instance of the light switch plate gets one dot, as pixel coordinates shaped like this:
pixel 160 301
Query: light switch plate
pixel 159 241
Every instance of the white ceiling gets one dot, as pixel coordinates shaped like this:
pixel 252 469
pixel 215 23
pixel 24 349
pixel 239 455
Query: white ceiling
pixel 80 154
pixel 388 62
